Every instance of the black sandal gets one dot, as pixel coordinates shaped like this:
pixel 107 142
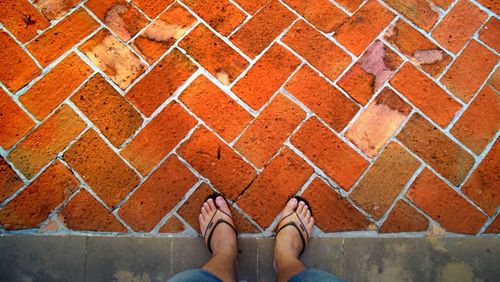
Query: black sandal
pixel 216 219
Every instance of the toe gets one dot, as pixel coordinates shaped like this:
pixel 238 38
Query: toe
pixel 291 205
pixel 307 218
pixel 204 213
pixel 222 204
pixel 300 207
pixel 207 207
pixel 211 204
pixel 303 212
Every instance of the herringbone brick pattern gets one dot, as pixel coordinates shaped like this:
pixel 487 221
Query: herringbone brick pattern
pixel 122 116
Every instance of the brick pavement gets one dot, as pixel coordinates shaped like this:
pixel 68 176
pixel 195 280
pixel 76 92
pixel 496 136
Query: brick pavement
pixel 122 116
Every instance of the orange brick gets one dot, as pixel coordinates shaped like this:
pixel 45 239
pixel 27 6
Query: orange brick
pixel 330 153
pixel 157 196
pixel 46 141
pixel 458 26
pixel 158 138
pixel 321 13
pixel 101 168
pixel 420 12
pixel 280 180
pixel 266 76
pixel 16 67
pixel 9 180
pixel 50 91
pixel 252 6
pixel 404 218
pixel 363 27
pixel 84 212
pixel 351 5
pixel 259 32
pixel 444 205
pixel 161 82
pixel 61 37
pixel 22 19
pixel 306 41
pixel 173 225
pixel 152 8
pixel 215 108
pixel 494 227
pixel 490 33
pixel 379 121
pixel 218 162
pixel 494 80
pixel 469 71
pixel 332 213
pixel 492 5
pixel 44 195
pixel 322 98
pixel 221 15
pixel 271 128
pixel 121 65
pixel 443 3
pixel 385 180
pixel 14 123
pixel 425 94
pixel 214 54
pixel 55 9
pixel 436 149
pixel 108 110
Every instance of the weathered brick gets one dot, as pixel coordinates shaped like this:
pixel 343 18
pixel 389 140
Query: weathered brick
pixel 404 218
pixel 55 9
pixel 469 71
pixel 108 110
pixel 152 8
pixel 330 153
pixel 221 15
pixel 252 6
pixel 84 212
pixel 425 94
pixel 101 168
pixel 494 227
pixel 280 180
pixel 306 41
pixel 444 205
pixel 436 149
pixel 61 37
pixel 34 204
pixel 351 5
pixel 384 181
pixel 46 141
pixel 321 13
pixel 490 33
pixel 215 108
pixel 9 180
pixel 22 19
pixel 458 26
pixel 173 225
pixel 332 213
pixel 443 3
pixel 492 5
pixel 16 67
pixel 364 26
pixel 158 138
pixel 50 91
pixel 379 121
pixel 218 162
pixel 161 82
pixel 494 80
pixel 213 54
pixel 14 123
pixel 420 12
pixel 322 98
pixel 259 32
pixel 370 72
pixel 266 76
pixel 158 195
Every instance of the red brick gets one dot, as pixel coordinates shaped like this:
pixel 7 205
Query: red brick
pixel 494 226
pixel 321 13
pixel 213 54
pixel 494 80
pixel 322 98
pixel 385 180
pixel 215 108
pixel 173 225
pixel 458 26
pixel 492 5
pixel 14 123
pixel 436 149
pixel 370 72
pixel 44 195
pixel 280 180
pixel 107 110
pixel 46 141
pixel 404 218
pixel 443 3
pixel 16 67
pixel 55 9
pixel 101 168
pixel 421 51
pixel 425 94
pixel 379 121
pixel 9 181
pixel 266 76
pixel 483 186
pixel 259 32
pixel 221 15
pixel 121 65
pixel 444 205
pixel 152 8
pixel 61 37
pixel 306 42
pixel 252 6
pixel 490 33
pixel 158 195
pixel 330 153
pixel 50 91
pixel 420 12
pixel 469 71
pixel 84 212
pixel 364 26
pixel 158 138
pixel 351 5
pixel 218 162
pixel 22 19
pixel 332 213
